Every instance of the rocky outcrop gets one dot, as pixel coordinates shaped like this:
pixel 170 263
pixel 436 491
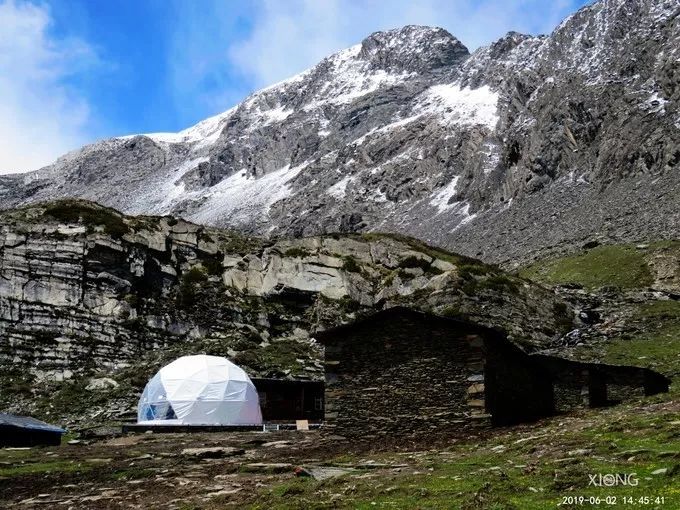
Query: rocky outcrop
pixel 88 295
pixel 528 146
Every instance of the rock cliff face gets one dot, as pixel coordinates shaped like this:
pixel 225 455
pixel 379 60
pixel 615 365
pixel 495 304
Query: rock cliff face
pixel 88 295
pixel 529 145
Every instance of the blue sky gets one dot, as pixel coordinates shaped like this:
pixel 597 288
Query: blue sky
pixel 74 71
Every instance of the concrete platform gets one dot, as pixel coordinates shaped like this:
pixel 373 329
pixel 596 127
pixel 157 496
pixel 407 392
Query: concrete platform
pixel 265 427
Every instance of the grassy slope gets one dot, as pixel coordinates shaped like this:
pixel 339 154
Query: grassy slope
pixel 620 266
pixel 656 343
pixel 652 338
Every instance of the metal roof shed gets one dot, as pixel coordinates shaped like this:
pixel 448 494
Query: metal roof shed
pixel 27 431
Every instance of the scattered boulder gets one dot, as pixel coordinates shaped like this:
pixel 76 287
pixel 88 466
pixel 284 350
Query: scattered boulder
pixel 102 383
pixel 277 444
pixel 579 452
pixel 224 492
pixel 216 452
pixel 321 472
pixel 101 432
pixel 266 467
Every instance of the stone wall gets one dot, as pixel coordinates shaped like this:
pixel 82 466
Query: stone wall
pixel 577 384
pixel 403 375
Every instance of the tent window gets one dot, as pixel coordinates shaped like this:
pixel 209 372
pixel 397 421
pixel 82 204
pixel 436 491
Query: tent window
pixel 162 411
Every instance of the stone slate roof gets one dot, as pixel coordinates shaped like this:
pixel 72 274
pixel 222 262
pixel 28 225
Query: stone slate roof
pixel 625 375
pixel 337 333
pixel 26 422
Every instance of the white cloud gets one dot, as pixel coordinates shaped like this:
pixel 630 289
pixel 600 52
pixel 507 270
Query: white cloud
pixel 288 37
pixel 41 116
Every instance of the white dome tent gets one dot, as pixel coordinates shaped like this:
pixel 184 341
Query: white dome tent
pixel 200 390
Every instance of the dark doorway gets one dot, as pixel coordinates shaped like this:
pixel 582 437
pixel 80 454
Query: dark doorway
pixel 287 400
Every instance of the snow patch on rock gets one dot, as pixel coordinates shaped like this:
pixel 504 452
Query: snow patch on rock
pixel 273 116
pixel 339 189
pixel 241 197
pixel 204 133
pixel 350 78
pixel 655 104
pixel 462 210
pixel 440 200
pixel 462 106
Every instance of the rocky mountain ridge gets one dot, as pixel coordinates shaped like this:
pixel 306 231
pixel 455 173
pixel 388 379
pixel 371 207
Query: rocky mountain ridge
pixel 528 146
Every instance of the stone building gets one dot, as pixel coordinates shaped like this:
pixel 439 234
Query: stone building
pixel 402 372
